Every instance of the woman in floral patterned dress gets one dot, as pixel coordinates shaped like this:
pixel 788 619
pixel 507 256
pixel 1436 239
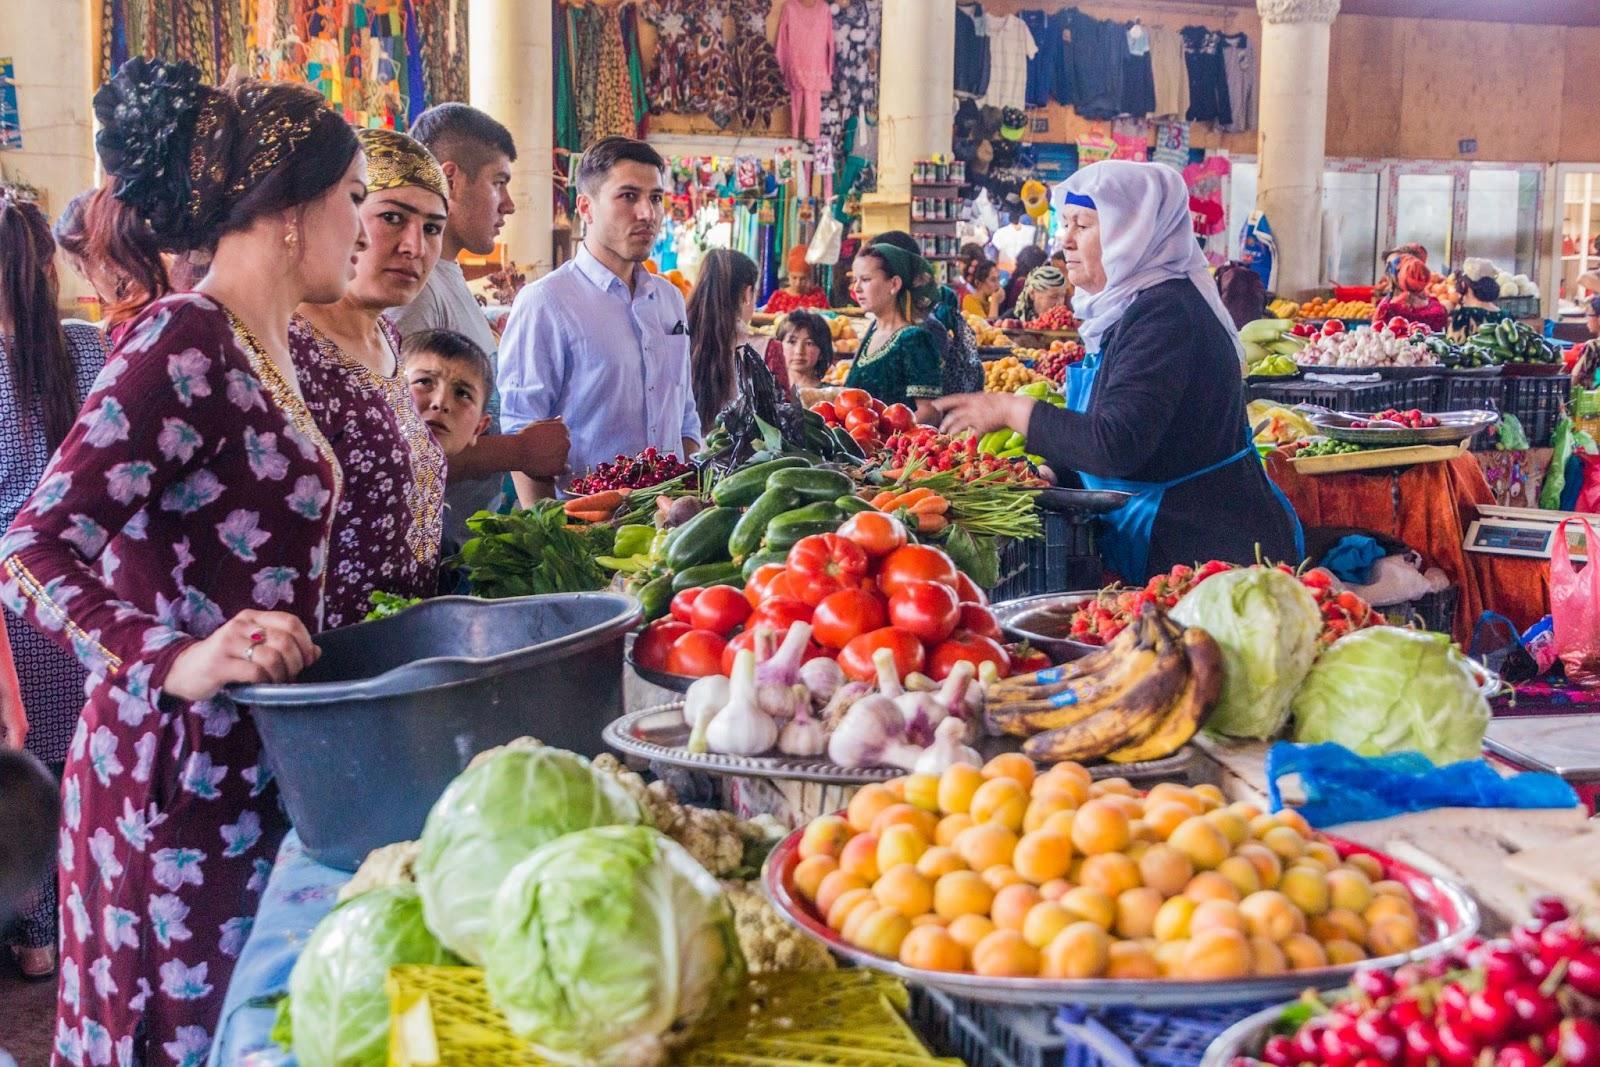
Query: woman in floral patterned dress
pixel 391 516
pixel 177 544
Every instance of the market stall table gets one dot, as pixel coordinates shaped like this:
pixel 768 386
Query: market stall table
pixel 300 891
pixel 1428 506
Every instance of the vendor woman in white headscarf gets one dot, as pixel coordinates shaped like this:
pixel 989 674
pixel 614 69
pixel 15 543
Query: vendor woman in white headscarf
pixel 1157 408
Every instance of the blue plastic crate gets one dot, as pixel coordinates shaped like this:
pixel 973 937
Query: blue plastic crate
pixel 989 1035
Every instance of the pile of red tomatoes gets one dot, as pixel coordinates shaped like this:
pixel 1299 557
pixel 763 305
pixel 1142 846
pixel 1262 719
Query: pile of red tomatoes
pixel 861 589
pixel 865 418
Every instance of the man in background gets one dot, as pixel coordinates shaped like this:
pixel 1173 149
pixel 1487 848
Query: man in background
pixel 476 153
pixel 600 341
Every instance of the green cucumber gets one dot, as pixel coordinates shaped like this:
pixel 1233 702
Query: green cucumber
pixel 752 525
pixel 707 574
pixel 812 484
pixel 703 539
pixel 853 505
pixel 822 517
pixel 847 445
pixel 761 559
pixel 655 596
pixel 740 489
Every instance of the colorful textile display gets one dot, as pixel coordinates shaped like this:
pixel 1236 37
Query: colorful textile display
pixel 380 62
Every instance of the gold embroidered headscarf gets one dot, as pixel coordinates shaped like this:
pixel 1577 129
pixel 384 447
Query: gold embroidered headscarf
pixel 395 159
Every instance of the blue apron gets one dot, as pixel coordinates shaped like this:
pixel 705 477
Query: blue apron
pixel 1124 536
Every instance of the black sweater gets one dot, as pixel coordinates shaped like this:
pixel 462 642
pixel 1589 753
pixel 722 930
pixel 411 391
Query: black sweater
pixel 1169 400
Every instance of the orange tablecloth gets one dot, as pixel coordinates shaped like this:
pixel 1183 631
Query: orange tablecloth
pixel 1429 507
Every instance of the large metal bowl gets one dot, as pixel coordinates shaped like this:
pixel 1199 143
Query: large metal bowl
pixel 1024 618
pixel 367 738
pixel 1454 427
pixel 1243 1038
pixel 1447 912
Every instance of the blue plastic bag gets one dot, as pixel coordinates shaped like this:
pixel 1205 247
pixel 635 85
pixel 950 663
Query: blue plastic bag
pixel 1341 786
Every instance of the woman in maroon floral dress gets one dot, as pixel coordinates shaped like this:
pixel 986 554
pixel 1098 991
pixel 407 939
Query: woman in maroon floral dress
pixel 387 530
pixel 177 544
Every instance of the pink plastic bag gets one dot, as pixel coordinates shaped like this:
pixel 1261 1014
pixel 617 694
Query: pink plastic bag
pixel 1575 607
pixel 1589 492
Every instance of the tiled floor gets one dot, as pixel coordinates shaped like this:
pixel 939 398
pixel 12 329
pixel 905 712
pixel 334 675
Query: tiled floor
pixel 27 1015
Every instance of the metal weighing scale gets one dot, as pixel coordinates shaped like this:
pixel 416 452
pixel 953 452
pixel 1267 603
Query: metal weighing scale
pixel 1567 745
pixel 1531 532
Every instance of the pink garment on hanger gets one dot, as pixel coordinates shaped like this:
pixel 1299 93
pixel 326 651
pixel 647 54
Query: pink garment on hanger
pixel 805 54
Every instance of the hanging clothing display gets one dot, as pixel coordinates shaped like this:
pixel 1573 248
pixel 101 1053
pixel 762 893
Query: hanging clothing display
pixel 1138 81
pixel 857 29
pixel 805 55
pixel 1208 86
pixel 1042 67
pixel 973 63
pixel 1097 50
pixel 1168 72
pixel 1239 72
pixel 604 88
pixel 691 73
pixel 1011 46
pixel 755 78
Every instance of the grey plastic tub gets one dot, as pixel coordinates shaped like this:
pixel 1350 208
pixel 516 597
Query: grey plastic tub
pixel 367 738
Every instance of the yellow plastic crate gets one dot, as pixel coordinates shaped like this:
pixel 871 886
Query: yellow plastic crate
pixel 442 1017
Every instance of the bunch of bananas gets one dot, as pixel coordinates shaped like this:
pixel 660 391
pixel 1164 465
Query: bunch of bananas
pixel 1270 347
pixel 1009 374
pixel 1283 309
pixel 1142 697
pixel 1509 342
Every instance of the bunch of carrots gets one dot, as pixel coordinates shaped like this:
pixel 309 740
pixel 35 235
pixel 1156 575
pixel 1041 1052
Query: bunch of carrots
pixel 596 507
pixel 926 506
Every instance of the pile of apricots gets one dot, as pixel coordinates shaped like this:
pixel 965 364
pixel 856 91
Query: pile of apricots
pixel 1006 872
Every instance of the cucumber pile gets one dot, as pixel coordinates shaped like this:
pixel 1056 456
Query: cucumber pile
pixel 1507 342
pixel 757 514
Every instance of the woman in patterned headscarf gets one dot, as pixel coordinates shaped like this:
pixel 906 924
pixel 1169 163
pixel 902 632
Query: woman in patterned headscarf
pixel 387 530
pixel 177 544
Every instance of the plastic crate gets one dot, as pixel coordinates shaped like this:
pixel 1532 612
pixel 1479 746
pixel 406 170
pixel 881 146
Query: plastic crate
pixel 987 1035
pixel 1521 307
pixel 1472 392
pixel 1063 559
pixel 1339 396
pixel 1436 611
pixel 1537 401
pixel 1423 393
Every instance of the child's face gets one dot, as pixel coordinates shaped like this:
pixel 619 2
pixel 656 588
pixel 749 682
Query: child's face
pixel 800 354
pixel 450 397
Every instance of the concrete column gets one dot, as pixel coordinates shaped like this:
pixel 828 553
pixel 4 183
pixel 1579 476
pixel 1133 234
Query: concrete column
pixel 55 74
pixel 1294 122
pixel 916 102
pixel 513 79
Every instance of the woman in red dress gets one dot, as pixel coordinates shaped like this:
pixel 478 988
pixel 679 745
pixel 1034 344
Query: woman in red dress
pixel 177 543
pixel 391 516
pixel 1411 301
pixel 801 291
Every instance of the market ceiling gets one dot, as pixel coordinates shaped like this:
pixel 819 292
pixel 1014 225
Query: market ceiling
pixel 1549 12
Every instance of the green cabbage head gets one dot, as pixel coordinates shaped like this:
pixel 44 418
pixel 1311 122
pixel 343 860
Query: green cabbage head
pixel 1267 624
pixel 338 1005
pixel 488 821
pixel 609 945
pixel 1386 689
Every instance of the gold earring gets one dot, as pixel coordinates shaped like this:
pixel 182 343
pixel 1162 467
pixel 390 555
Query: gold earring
pixel 291 237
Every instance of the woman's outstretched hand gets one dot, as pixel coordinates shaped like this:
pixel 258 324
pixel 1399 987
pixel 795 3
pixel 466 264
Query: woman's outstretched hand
pixel 983 412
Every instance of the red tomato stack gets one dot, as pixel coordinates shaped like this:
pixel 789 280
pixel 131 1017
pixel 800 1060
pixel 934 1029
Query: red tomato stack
pixel 865 418
pixel 861 589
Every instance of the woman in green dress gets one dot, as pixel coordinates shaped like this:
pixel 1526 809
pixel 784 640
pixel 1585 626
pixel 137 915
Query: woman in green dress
pixel 897 362
pixel 1476 285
